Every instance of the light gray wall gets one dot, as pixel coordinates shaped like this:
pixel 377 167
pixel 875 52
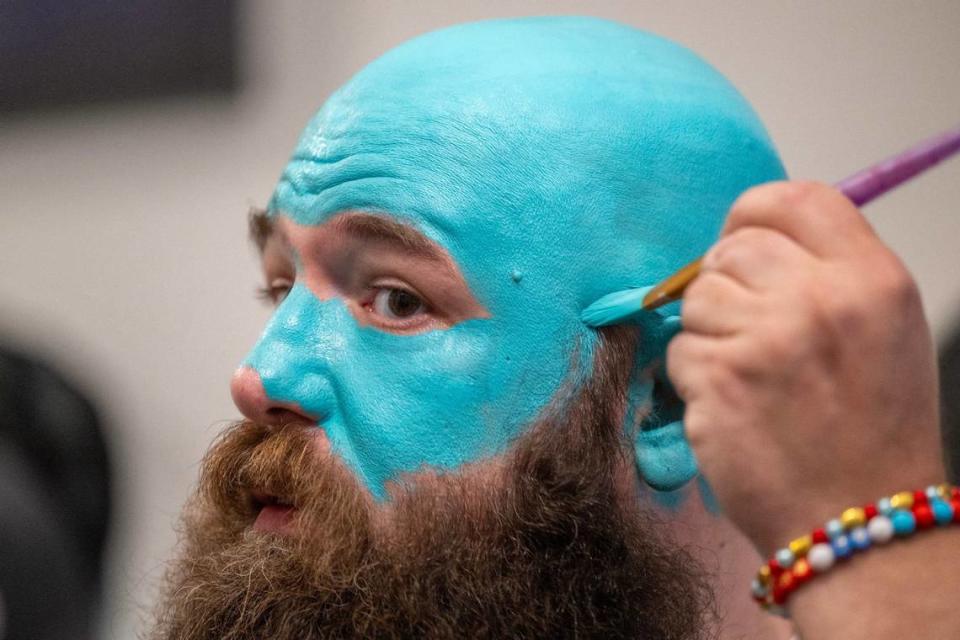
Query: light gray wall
pixel 122 240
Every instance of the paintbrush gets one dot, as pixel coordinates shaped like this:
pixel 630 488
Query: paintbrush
pixel 860 188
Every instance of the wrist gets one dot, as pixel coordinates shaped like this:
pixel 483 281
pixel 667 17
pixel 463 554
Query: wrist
pixel 891 592
pixel 855 530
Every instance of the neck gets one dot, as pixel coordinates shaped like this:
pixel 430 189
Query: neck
pixel 728 556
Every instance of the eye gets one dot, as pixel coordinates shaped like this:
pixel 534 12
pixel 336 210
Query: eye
pixel 397 304
pixel 276 290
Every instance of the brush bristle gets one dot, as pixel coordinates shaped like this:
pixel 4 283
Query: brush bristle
pixel 615 308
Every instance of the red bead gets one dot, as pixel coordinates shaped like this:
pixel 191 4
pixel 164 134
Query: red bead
pixel 784 587
pixel 775 568
pixel 955 492
pixel 819 536
pixel 924 516
pixel 955 503
pixel 920 497
pixel 870 511
pixel 802 571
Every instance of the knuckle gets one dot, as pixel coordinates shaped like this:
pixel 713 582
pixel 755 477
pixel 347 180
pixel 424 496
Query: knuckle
pixel 758 197
pixel 895 283
pixel 678 353
pixel 695 309
pixel 727 387
pixel 768 203
pixel 840 316
pixel 730 251
pixel 886 289
pixel 696 426
pixel 777 346
pixel 778 342
pixel 796 193
pixel 704 288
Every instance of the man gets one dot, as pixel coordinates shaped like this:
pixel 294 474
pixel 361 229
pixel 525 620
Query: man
pixel 437 446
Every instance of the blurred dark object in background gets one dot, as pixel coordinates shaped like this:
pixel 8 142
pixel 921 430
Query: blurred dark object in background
pixel 54 504
pixel 950 394
pixel 58 52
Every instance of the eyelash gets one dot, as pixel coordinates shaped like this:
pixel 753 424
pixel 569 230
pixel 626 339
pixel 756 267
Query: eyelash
pixel 276 293
pixel 423 315
pixel 273 294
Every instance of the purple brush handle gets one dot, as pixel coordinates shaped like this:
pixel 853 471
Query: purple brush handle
pixel 864 186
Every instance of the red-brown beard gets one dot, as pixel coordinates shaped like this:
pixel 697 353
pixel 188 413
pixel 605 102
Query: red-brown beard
pixel 553 547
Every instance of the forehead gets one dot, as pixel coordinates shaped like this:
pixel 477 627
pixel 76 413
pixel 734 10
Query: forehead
pixel 533 147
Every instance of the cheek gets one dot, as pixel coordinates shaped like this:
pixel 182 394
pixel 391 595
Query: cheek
pixel 441 399
pixel 392 404
pixel 407 401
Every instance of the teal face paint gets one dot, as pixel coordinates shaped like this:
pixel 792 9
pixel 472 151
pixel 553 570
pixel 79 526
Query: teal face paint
pixel 556 160
pixel 391 403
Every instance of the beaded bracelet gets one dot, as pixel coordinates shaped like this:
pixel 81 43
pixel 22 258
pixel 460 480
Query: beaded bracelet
pixel 857 529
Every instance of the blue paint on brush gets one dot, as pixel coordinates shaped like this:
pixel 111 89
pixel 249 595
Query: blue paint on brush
pixel 616 308
pixel 625 307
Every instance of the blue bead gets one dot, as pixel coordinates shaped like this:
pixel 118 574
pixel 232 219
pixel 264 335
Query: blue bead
pixel 942 511
pixel 860 539
pixel 904 522
pixel 884 506
pixel 841 547
pixel 785 558
pixel 834 528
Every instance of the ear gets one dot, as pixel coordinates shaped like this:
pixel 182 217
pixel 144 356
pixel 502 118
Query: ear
pixel 664 457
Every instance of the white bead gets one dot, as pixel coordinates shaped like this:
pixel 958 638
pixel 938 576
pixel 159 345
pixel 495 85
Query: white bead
pixel 785 558
pixel 834 528
pixel 820 557
pixel 880 529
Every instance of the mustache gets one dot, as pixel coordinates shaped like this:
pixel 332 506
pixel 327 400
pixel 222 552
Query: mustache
pixel 251 462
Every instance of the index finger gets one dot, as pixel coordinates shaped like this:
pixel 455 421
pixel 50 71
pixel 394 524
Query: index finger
pixel 816 216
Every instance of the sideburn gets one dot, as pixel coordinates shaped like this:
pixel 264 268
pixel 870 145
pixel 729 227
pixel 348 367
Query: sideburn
pixel 551 550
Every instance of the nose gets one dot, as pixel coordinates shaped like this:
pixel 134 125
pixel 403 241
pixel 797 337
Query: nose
pixel 252 400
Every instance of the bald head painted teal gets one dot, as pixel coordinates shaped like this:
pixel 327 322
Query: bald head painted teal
pixel 557 160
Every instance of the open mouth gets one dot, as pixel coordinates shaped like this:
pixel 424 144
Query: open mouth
pixel 274 513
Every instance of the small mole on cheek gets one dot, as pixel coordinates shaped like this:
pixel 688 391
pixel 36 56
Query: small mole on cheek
pixel 516 276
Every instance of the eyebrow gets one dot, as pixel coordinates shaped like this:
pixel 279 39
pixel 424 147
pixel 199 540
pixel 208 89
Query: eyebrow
pixel 260 227
pixel 364 226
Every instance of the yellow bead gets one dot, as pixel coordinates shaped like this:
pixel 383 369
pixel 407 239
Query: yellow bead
pixel 944 490
pixel 854 517
pixel 800 546
pixel 902 500
pixel 764 575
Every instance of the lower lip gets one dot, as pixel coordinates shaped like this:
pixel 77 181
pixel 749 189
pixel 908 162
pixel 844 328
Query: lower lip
pixel 275 518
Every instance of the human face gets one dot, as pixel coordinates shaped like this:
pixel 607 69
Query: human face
pixel 383 281
pixel 548 162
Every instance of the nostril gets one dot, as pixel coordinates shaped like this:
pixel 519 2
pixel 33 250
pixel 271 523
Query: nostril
pixel 251 398
pixel 281 416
